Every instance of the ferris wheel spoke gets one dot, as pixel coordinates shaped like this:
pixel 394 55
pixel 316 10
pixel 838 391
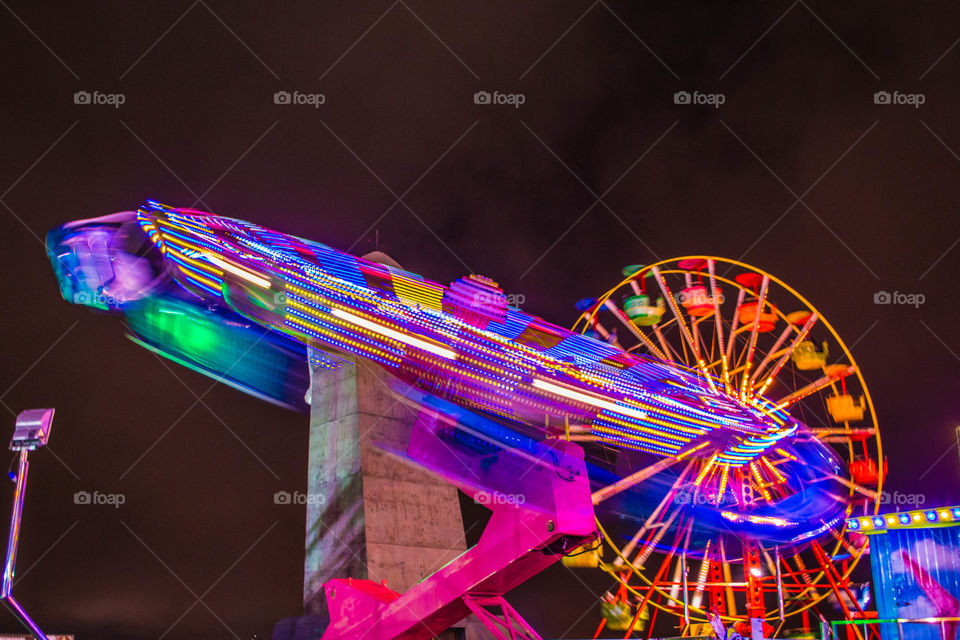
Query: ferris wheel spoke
pixel 605 333
pixel 724 478
pixel 752 342
pixel 771 353
pixel 655 515
pixel 702 344
pixel 714 347
pixel 657 331
pixel 705 471
pixel 639 476
pixel 783 359
pixel 734 324
pixel 647 550
pixel 667 324
pixel 686 353
pixel 718 324
pixel 841 539
pixel 778 575
pixel 824 381
pixel 771 566
pixel 697 600
pixel 672 304
pixel 833 435
pixel 679 570
pixel 697 340
pixel 800 577
pixel 633 479
pixel 870 493
pixel 761 483
pixel 684 330
pixel 840 589
pixel 727 578
pixel 740 369
pixel 664 566
pixel 622 317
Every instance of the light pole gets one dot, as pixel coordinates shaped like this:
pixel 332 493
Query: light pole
pixel 31 433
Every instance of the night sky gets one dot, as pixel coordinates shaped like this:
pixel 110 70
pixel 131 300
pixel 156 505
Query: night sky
pixel 798 172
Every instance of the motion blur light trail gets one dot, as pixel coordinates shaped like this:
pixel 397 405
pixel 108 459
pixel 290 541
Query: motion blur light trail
pixel 241 303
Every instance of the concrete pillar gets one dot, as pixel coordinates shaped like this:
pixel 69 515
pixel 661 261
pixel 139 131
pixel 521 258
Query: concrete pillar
pixel 369 515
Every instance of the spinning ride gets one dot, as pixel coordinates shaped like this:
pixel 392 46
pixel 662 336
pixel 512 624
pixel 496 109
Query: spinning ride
pixel 726 446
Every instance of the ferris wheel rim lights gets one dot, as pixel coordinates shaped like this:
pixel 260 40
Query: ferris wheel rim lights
pixel 754 382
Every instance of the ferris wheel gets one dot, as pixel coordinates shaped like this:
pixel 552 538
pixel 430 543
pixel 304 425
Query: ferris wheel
pixel 756 532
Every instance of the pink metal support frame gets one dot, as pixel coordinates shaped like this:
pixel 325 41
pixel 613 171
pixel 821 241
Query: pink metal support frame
pixel 509 625
pixel 542 509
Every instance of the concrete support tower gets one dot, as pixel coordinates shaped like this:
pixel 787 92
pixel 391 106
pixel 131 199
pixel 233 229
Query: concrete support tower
pixel 370 515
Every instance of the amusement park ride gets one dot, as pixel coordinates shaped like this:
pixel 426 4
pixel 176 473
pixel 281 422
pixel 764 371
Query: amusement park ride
pixel 702 422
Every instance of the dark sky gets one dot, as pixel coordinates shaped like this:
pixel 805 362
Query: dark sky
pixel 507 192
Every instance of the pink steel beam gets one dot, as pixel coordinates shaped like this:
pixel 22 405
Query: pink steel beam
pixel 522 538
pixel 510 621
